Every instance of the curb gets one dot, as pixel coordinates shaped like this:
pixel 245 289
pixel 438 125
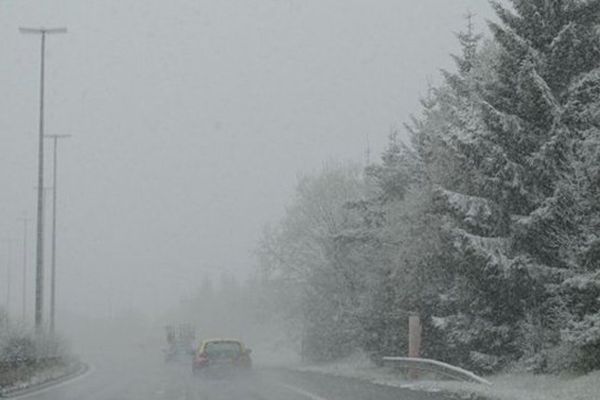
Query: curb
pixel 82 369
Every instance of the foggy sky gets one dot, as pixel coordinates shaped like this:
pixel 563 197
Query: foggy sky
pixel 191 120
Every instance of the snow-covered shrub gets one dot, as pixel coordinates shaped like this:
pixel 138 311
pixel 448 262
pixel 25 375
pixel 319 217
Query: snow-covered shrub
pixel 582 331
pixel 485 363
pixel 18 350
pixel 561 358
pixel 20 346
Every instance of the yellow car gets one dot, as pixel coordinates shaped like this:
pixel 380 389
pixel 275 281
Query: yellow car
pixel 222 354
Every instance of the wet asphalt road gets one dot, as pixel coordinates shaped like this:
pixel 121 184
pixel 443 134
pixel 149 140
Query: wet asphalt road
pixel 141 377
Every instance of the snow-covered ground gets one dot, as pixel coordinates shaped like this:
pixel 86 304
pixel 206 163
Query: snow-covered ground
pixel 536 387
pixel 51 374
pixel 514 386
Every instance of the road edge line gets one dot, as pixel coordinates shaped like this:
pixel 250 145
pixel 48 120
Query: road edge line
pixel 302 392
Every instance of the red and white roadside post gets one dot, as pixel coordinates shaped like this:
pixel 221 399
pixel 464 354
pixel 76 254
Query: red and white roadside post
pixel 414 342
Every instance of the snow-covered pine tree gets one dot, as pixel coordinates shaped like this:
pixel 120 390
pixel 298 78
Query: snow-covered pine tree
pixel 521 156
pixel 430 273
pixel 580 293
pixel 506 195
pixel 478 312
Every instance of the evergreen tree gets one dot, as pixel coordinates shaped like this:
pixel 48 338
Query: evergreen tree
pixel 487 224
pixel 513 221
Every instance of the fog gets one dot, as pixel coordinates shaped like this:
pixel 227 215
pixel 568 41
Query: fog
pixel 304 199
pixel 191 121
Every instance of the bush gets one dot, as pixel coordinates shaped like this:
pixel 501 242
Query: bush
pixel 21 346
pixel 18 350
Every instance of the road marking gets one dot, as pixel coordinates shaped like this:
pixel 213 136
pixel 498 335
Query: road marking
pixel 37 392
pixel 303 392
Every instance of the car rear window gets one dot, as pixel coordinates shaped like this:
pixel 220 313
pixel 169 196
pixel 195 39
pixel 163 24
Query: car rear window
pixel 222 349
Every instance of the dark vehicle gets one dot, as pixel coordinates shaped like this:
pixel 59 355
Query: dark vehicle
pixel 179 343
pixel 221 356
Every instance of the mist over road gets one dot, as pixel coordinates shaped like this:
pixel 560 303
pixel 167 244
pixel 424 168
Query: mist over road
pixel 143 375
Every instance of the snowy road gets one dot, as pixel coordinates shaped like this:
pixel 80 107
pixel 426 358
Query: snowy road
pixel 148 378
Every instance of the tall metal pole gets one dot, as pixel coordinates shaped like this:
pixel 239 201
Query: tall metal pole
pixel 8 277
pixel 25 220
pixel 8 274
pixel 39 265
pixel 53 268
pixel 53 271
pixel 45 196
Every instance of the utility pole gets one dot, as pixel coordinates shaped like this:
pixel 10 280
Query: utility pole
pixel 368 152
pixel 53 268
pixel 45 197
pixel 8 243
pixel 39 264
pixel 25 221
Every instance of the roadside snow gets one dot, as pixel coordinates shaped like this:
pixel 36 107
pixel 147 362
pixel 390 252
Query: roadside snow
pixel 45 376
pixel 514 386
pixel 535 387
pixel 356 366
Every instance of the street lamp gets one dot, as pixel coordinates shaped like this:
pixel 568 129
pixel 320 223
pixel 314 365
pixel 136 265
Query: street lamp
pixel 39 265
pixel 25 221
pixel 53 270
pixel 8 260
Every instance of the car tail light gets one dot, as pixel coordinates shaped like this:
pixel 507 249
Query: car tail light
pixel 202 358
